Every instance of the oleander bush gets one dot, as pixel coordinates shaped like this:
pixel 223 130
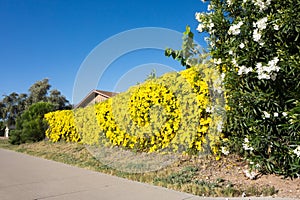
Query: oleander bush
pixel 170 113
pixel 256 45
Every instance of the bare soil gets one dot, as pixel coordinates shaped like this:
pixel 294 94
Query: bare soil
pixel 232 169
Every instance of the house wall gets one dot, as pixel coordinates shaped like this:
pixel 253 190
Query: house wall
pixel 97 99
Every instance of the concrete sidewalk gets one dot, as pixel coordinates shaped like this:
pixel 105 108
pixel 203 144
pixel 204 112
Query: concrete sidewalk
pixel 24 177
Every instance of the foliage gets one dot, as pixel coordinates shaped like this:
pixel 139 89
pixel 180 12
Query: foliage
pixel 2 128
pixel 255 43
pixel 191 54
pixel 61 126
pixel 58 100
pixel 11 106
pixel 38 91
pixel 30 126
pixel 14 104
pixel 87 125
pixel 164 114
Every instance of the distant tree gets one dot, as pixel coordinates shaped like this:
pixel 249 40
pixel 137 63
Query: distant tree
pixel 13 105
pixel 2 128
pixel 58 100
pixel 38 91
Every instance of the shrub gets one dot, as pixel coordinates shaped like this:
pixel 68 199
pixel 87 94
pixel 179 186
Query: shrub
pixel 61 126
pixel 31 126
pixel 255 43
pixel 165 114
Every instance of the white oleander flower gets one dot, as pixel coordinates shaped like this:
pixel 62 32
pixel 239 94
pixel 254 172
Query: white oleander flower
pixel 235 29
pixel 209 7
pixel 261 24
pixel 222 76
pixel 211 25
pixel 276 114
pixel 246 145
pixel 198 16
pixel 244 70
pixel 263 76
pixel 256 35
pixel 276 27
pixel 284 114
pixel 261 4
pixel 225 151
pixel 234 62
pixel 217 61
pixel 200 27
pixel 267 115
pixel 297 151
pixel 242 45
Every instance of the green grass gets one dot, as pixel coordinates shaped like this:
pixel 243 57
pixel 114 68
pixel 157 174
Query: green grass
pixel 182 175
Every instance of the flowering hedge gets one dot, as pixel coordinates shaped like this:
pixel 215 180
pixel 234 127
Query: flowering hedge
pixel 61 126
pixel 255 43
pixel 171 113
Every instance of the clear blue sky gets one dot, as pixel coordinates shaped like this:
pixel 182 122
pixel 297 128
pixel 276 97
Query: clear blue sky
pixel 51 38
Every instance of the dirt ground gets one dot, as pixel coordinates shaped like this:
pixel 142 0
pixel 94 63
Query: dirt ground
pixel 232 169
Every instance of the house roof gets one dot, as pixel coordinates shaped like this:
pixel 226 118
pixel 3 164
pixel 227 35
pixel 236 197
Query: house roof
pixel 92 95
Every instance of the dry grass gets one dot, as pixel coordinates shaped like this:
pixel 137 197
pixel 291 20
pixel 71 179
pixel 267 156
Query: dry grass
pixel 197 175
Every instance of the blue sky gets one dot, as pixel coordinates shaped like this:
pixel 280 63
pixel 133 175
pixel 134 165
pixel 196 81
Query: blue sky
pixel 52 38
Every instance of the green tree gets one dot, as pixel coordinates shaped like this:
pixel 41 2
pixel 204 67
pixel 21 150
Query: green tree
pixel 58 100
pixel 38 91
pixel 14 104
pixel 256 44
pixel 31 126
pixel 10 107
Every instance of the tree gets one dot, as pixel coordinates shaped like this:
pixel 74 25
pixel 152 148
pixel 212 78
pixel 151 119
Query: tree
pixel 31 126
pixel 38 91
pixel 11 106
pixel 256 45
pixel 58 100
pixel 14 104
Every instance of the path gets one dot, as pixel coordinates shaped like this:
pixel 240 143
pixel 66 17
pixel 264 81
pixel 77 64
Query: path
pixel 26 177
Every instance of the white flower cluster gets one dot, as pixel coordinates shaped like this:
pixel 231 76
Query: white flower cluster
pixel 244 70
pixel 198 16
pixel 229 2
pixel 268 115
pixel 235 29
pixel 204 24
pixel 276 27
pixel 217 61
pixel 259 25
pixel 297 151
pixel 261 4
pixel 267 72
pixel 246 145
pixel 225 150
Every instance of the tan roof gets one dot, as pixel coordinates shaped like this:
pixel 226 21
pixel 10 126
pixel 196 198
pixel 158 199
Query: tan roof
pixel 108 94
pixel 85 101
